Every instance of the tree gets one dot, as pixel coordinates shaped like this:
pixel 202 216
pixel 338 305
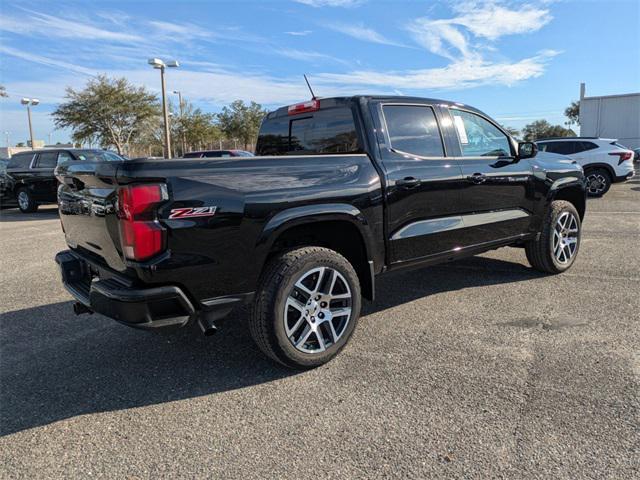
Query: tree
pixel 241 121
pixel 3 92
pixel 572 112
pixel 108 111
pixel 199 128
pixel 543 129
pixel 514 132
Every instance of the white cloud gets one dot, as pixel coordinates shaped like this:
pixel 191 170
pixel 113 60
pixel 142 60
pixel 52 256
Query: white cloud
pixel 302 33
pixel 304 55
pixel 460 74
pixel 331 3
pixel 488 20
pixel 440 38
pixel 180 30
pixel 492 20
pixel 52 26
pixel 361 32
pixel 50 62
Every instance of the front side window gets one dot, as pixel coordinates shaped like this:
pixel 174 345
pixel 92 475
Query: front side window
pixel 413 129
pixel 47 160
pixel 479 137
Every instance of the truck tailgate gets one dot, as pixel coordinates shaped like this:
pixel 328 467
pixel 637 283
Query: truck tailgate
pixel 87 203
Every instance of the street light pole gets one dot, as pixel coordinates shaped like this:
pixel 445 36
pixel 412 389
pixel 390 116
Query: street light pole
pixel 165 112
pixel 7 137
pixel 184 139
pixel 30 102
pixel 160 65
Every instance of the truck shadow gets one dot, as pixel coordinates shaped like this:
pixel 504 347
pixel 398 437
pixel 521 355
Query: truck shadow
pixel 54 365
pixel 45 212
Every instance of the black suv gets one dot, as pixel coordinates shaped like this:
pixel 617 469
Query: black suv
pixel 29 180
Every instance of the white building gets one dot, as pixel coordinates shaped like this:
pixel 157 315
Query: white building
pixel 611 116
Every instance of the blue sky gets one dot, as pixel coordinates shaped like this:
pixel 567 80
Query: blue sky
pixel 517 61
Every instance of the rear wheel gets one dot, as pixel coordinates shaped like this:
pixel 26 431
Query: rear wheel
pixel 557 246
pixel 26 203
pixel 598 182
pixel 306 308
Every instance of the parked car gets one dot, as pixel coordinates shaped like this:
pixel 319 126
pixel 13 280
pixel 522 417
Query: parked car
pixel 352 188
pixel 636 155
pixel 604 160
pixel 29 180
pixel 217 153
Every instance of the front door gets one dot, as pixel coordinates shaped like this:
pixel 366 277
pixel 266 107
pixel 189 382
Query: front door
pixel 497 198
pixel 423 183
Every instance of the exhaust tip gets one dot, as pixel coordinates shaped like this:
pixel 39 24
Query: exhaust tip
pixel 207 326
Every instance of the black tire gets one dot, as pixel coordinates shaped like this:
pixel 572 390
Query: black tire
pixel 28 205
pixel 268 315
pixel 598 182
pixel 540 252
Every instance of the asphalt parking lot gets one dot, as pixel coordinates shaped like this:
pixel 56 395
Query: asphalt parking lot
pixel 475 369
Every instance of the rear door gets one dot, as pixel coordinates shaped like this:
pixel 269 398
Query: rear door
pixel 422 182
pixel 497 198
pixel 42 178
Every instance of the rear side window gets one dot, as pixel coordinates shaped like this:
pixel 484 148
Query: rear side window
pixel 413 129
pixel 47 160
pixel 21 160
pixel 478 137
pixel 332 130
pixel 585 146
pixel 216 154
pixel 192 155
pixel 562 148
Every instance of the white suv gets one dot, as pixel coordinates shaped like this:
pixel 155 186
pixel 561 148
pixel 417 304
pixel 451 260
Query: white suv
pixel 603 159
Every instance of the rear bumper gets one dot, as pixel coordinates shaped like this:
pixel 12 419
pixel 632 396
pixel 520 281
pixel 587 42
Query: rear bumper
pixel 114 297
pixel 626 176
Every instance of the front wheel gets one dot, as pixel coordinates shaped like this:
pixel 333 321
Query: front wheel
pixel 26 203
pixel 306 308
pixel 556 248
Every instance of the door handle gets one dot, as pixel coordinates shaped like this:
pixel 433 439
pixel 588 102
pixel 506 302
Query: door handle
pixel 408 182
pixel 477 178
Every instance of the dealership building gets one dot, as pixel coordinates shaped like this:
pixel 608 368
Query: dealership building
pixel 611 116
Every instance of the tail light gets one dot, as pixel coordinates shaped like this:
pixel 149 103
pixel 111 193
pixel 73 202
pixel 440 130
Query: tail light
pixel 140 233
pixel 310 106
pixel 624 156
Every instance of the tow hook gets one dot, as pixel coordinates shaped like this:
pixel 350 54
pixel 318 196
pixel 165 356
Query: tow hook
pixel 80 308
pixel 206 325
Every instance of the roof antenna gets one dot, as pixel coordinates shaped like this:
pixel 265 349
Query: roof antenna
pixel 313 96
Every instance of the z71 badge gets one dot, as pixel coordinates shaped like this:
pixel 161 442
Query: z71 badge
pixel 193 212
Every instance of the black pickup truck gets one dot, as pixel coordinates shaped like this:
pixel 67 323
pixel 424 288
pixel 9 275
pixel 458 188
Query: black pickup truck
pixel 342 190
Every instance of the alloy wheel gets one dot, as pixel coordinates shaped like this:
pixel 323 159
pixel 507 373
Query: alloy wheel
pixel 23 200
pixel 565 237
pixel 596 183
pixel 317 310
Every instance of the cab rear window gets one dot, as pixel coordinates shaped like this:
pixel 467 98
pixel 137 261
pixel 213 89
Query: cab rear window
pixel 327 131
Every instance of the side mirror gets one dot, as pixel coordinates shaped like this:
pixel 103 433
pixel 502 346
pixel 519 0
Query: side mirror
pixel 527 150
